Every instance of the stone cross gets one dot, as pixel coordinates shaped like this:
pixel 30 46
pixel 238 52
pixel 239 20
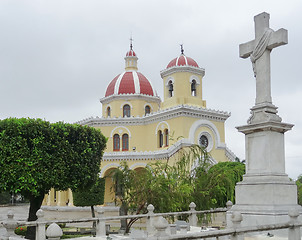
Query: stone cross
pixel 259 51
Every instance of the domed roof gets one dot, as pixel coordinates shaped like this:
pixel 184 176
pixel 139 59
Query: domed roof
pixel 182 60
pixel 130 82
pixel 131 53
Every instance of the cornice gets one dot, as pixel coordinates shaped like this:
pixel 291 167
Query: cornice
pixel 127 96
pixel 161 115
pixel 265 126
pixel 147 155
pixel 175 69
pixel 159 154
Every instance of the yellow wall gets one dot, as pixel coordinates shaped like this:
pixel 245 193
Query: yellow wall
pixel 182 90
pixel 137 107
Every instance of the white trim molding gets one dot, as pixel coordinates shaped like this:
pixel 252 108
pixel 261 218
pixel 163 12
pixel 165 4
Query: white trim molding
pixel 196 78
pixel 161 115
pixel 107 167
pixel 211 126
pixel 125 103
pixel 138 165
pixel 122 127
pixel 210 140
pixel 175 69
pixel 168 80
pixel 127 96
pixel 161 128
pixel 150 105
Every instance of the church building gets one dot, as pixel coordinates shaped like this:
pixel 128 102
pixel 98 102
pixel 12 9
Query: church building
pixel 142 129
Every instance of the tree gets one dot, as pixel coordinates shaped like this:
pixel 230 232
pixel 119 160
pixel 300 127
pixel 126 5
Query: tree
pixel 90 196
pixel 217 186
pixel 36 156
pixel 5 197
pixel 167 186
pixel 299 189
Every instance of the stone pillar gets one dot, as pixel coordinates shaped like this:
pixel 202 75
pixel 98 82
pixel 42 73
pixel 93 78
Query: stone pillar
pixel 10 224
pixel 54 232
pixel 161 226
pixel 40 229
pixel 266 194
pixel 150 220
pixel 60 198
pixel 236 219
pixel 193 216
pixel 70 198
pixel 294 233
pixel 48 200
pixel 101 225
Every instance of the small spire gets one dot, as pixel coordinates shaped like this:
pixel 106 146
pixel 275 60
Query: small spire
pixel 131 41
pixel 182 49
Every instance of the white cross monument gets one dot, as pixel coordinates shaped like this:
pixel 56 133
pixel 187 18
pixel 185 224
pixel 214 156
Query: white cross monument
pixel 266 194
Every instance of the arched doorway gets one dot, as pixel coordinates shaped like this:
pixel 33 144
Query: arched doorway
pixel 109 195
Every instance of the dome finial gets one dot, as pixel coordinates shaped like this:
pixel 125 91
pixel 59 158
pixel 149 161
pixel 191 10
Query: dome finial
pixel 182 49
pixel 131 41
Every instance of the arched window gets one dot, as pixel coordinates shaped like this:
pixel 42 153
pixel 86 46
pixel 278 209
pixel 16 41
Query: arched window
pixel 116 142
pixel 147 110
pixel 193 88
pixel 108 112
pixel 160 138
pixel 125 142
pixel 126 110
pixel 166 132
pixel 170 86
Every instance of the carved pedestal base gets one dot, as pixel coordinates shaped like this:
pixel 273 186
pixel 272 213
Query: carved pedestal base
pixel 266 194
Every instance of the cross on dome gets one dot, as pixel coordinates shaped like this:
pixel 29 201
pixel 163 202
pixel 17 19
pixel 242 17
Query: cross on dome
pixel 131 42
pixel 182 49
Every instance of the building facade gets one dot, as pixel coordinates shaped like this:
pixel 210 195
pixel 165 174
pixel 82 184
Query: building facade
pixel 142 129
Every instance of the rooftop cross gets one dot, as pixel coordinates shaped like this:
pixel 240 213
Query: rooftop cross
pixel 259 51
pixel 131 41
pixel 182 48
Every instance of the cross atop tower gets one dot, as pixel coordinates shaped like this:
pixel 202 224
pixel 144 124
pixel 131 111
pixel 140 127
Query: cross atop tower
pixel 131 41
pixel 259 51
pixel 182 48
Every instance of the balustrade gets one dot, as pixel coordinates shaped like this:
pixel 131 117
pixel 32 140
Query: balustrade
pixel 157 226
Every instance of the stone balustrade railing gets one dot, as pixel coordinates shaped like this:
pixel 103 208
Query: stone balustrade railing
pixel 157 226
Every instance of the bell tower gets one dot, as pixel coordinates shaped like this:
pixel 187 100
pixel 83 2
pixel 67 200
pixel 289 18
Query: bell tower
pixel 182 81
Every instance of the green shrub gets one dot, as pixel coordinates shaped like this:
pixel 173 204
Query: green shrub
pixel 21 230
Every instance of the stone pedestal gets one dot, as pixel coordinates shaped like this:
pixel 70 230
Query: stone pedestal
pixel 266 194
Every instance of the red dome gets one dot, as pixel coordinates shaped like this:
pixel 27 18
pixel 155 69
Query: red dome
pixel 130 82
pixel 182 60
pixel 131 53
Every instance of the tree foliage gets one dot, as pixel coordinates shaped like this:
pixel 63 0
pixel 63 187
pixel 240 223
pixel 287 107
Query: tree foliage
pixel 91 196
pixel 5 197
pixel 299 189
pixel 171 187
pixel 217 186
pixel 36 156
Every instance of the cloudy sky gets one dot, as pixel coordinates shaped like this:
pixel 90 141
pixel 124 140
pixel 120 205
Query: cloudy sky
pixel 57 57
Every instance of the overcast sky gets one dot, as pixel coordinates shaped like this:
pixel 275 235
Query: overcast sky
pixel 58 56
